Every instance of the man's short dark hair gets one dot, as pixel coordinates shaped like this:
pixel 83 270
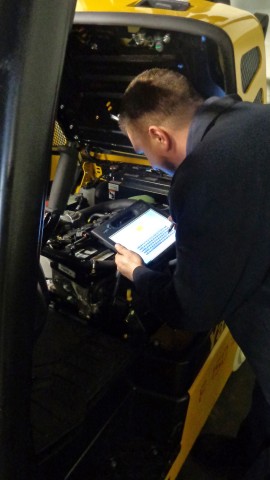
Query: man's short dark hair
pixel 157 94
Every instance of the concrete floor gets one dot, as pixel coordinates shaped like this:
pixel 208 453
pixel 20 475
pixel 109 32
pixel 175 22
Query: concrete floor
pixel 225 419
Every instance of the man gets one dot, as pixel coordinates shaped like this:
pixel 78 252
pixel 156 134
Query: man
pixel 218 152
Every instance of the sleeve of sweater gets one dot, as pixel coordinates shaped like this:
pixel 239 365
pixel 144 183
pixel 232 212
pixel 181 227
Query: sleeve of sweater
pixel 157 291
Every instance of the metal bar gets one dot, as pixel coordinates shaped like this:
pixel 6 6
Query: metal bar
pixel 33 36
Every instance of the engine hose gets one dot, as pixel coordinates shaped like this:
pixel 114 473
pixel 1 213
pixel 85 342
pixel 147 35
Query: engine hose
pixel 108 206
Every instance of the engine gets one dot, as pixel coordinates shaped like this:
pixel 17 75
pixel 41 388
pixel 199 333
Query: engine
pixel 83 279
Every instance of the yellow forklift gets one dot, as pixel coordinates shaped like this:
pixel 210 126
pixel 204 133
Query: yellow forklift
pixel 89 387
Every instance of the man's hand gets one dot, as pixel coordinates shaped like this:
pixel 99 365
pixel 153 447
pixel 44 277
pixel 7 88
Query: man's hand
pixel 126 261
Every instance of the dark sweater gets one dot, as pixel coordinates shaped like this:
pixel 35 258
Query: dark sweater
pixel 220 200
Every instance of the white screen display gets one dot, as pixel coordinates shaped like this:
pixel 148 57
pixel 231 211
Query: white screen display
pixel 148 235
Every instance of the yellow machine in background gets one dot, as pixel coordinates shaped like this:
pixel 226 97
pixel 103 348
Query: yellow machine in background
pixel 167 393
pixel 234 60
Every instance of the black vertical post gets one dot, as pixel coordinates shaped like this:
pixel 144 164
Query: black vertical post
pixel 33 36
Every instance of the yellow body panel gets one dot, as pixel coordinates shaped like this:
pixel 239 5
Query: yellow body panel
pixel 204 392
pixel 215 13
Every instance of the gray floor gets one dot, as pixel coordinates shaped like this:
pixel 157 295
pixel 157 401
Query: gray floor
pixel 225 418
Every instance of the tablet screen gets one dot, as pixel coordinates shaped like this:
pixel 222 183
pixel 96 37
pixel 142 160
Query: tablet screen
pixel 148 235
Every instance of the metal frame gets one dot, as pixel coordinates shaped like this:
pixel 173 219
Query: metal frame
pixel 32 48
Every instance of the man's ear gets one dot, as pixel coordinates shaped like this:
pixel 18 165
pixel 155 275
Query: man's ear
pixel 160 137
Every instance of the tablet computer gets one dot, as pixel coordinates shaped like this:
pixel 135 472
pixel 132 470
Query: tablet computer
pixel 139 228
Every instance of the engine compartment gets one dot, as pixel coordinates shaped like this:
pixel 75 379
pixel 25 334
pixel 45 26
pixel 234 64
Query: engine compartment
pixel 83 269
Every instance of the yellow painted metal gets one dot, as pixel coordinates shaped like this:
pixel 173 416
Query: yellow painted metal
pixel 217 14
pixel 89 174
pixel 252 37
pixel 92 171
pixel 119 157
pixel 204 392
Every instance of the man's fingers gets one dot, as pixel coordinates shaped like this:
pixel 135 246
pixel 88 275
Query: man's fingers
pixel 119 248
